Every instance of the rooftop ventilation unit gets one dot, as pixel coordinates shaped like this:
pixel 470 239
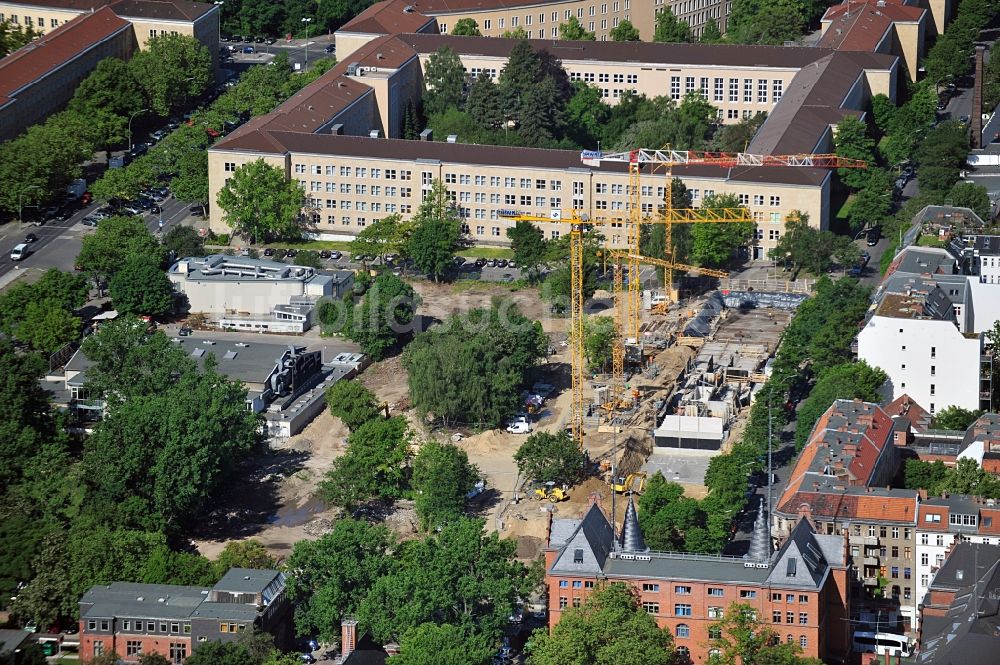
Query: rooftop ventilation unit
pixel 452 138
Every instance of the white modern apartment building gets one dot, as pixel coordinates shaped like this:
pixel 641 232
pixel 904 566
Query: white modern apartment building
pixel 942 522
pixel 923 332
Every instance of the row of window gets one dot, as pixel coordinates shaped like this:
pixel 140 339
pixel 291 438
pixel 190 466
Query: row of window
pixel 790 617
pixel 139 625
pixel 615 6
pixel 789 598
pixel 133 648
pixel 882 531
pixel 29 20
pixel 776 87
pixel 345 171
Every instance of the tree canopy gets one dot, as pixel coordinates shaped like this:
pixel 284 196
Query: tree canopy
pixel 470 369
pixel 608 628
pixel 259 203
pixel 117 241
pixel 624 32
pixel 437 230
pixel 853 380
pixel 442 476
pixel 171 70
pixel 374 466
pixel 545 457
pixel 669 28
pixel 384 316
pixel 141 288
pixel 352 402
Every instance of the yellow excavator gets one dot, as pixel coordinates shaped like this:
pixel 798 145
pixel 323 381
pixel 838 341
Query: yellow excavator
pixel 550 491
pixel 633 483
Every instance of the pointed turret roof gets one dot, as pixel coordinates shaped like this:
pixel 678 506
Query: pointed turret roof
pixel 760 539
pixel 631 540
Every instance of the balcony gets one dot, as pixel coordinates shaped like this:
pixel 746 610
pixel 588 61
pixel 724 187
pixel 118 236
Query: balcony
pixel 871 561
pixel 866 541
pixel 870 581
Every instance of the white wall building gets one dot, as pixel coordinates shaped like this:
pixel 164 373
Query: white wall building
pixel 252 294
pixel 924 331
pixel 942 521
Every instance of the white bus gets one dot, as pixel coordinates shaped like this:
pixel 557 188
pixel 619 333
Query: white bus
pixel 880 643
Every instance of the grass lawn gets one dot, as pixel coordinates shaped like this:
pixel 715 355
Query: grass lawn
pixel 488 252
pixel 930 241
pixel 846 208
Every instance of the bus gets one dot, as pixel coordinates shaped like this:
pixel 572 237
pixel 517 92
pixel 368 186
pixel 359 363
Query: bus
pixel 880 643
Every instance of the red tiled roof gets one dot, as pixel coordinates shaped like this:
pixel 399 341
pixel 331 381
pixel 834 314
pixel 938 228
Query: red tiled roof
pixel 865 25
pixel 172 10
pixel 904 406
pixel 55 48
pixel 940 525
pixel 874 507
pixel 388 17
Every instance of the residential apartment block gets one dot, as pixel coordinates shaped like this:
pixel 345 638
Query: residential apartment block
pixel 538 20
pixel 960 619
pixel 925 330
pixel 134 619
pixel 945 521
pixel 336 136
pixel 38 80
pixel 841 483
pixel 877 26
pixel 801 591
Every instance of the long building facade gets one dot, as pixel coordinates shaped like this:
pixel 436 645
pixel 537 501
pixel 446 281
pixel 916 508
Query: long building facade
pixel 339 136
pixel 800 591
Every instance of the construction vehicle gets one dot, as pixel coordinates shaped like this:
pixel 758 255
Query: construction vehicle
pixel 551 492
pixel 633 483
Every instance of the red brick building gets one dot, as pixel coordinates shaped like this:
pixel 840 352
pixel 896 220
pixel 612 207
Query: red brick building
pixel 801 590
pixel 133 619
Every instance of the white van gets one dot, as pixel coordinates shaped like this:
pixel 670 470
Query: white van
pixel 20 251
pixel 880 643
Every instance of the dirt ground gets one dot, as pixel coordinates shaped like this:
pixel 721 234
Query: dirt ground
pixel 277 503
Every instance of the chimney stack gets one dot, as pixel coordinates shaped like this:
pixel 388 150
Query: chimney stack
pixel 976 114
pixel 348 637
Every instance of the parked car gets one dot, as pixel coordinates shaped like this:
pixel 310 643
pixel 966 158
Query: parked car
pixel 132 208
pixel 268 251
pixel 492 263
pixel 324 254
pixel 90 221
pixel 291 253
pixel 185 331
pixel 518 427
pixel 873 237
pixel 335 255
pixel 306 658
pixel 480 262
pixel 330 48
pixel 249 49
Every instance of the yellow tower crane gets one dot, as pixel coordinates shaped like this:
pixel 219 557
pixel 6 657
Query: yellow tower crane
pixel 577 223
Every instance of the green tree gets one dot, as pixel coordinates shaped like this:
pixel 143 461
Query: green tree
pixel 172 71
pixel 545 457
pixel 110 87
pixel 970 195
pixel 485 106
pixel 746 640
pixel 141 288
pixel 587 115
pixel 437 230
pixel 598 340
pixel 154 658
pixel 610 627
pixel 191 182
pixel 573 30
pixel 715 244
pixel 354 404
pixel 332 575
pixel 470 369
pixel 183 241
pixel 374 465
pixel 624 32
pixel 767 21
pixel 124 183
pixel 940 156
pixel 13 37
pixel 47 326
pixel 384 316
pixel 444 81
pixel 442 476
pixel 26 422
pixel 466 27
pixel 852 141
pixel 528 243
pixel 872 204
pixel 381 238
pixel 242 554
pixel 955 418
pixel 517 33
pixel 856 380
pixel 259 203
pixel 179 429
pixel 445 644
pixel 710 34
pixel 457 576
pixel 115 242
pixel 668 28
pixel 736 137
pixel 533 91
pixel 805 247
